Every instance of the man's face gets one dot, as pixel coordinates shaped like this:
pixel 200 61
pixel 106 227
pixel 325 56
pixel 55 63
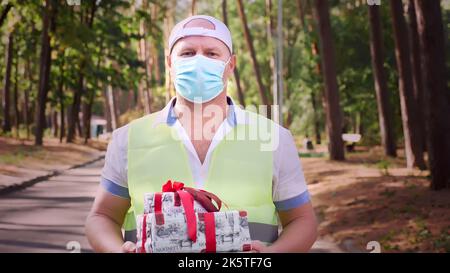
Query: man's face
pixel 206 46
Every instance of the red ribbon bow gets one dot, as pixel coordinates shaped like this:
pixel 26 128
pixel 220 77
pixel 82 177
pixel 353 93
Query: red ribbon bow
pixel 172 186
pixel 188 204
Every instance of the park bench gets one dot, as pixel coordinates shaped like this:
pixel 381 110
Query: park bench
pixel 350 141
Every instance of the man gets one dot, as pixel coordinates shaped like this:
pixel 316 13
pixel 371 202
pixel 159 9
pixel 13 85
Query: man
pixel 201 138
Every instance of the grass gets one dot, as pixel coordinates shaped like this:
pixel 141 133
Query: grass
pixel 383 165
pixel 443 240
pixel 311 155
pixel 19 154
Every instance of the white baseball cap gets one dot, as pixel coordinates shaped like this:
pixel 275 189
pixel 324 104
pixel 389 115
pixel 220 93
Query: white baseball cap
pixel 220 31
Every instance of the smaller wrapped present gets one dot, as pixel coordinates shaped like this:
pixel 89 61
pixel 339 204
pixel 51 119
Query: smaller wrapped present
pixel 216 232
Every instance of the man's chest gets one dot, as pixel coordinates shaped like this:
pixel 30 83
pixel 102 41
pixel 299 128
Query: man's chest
pixel 201 148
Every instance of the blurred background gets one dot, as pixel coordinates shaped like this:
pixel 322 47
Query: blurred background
pixel 363 85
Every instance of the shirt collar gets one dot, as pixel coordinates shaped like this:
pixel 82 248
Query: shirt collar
pixel 167 114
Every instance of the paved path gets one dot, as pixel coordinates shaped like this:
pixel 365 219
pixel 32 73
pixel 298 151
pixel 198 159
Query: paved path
pixel 49 216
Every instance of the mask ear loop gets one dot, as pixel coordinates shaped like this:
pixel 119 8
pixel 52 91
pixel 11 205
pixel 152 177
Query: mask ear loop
pixel 225 64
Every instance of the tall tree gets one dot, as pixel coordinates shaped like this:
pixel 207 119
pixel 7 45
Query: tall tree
pixel 16 96
pixel 302 8
pixel 331 94
pixel 168 24
pixel 74 110
pixel 416 70
pixel 26 103
pixel 60 94
pixel 249 41
pixel 384 109
pixel 436 91
pixel 48 24
pixel 6 126
pixel 411 130
pixel 236 72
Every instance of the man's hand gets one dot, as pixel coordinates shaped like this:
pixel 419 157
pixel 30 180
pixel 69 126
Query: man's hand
pixel 259 247
pixel 128 247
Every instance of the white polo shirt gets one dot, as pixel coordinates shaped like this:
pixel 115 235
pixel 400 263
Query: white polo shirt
pixel 288 182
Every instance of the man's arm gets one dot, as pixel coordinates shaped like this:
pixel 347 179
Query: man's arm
pixel 104 223
pixel 299 231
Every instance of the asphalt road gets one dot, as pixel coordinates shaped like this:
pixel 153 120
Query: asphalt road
pixel 50 216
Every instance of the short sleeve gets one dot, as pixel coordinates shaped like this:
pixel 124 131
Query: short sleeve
pixel 289 184
pixel 114 172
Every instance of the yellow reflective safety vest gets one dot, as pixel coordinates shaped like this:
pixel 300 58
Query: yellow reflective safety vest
pixel 240 171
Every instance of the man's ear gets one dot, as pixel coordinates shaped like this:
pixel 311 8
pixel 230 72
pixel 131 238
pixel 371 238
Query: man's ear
pixel 232 62
pixel 169 61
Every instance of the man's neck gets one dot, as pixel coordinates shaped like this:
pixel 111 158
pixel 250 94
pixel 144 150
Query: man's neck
pixel 194 117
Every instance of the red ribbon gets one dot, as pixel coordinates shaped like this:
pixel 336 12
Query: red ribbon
pixel 210 232
pixel 172 187
pixel 144 233
pixel 187 201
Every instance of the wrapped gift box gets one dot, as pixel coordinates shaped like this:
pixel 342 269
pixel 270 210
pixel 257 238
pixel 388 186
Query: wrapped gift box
pixel 171 203
pixel 168 232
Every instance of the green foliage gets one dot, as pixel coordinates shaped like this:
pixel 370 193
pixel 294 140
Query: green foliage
pixel 106 54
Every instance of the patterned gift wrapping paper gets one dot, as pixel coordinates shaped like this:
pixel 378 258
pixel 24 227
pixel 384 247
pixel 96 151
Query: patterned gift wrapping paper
pixel 231 227
pixel 171 203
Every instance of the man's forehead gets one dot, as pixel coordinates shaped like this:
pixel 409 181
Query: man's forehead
pixel 204 42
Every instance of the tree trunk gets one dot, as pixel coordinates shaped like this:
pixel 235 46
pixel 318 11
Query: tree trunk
pixel 16 97
pixel 55 123
pixel 26 97
pixel 385 118
pixel 436 92
pixel 144 57
pixel 74 110
pixel 5 13
pixel 301 10
pixel 235 71
pixel 249 41
pixel 87 111
pixel 60 93
pixel 6 126
pixel 113 106
pixel 107 108
pixel 168 24
pixel 87 115
pixel 416 70
pixel 316 118
pixel 44 71
pixel 411 130
pixel 332 107
pixel 194 7
pixel 270 33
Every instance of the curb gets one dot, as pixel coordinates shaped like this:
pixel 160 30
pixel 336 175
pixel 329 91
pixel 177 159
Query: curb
pixel 27 183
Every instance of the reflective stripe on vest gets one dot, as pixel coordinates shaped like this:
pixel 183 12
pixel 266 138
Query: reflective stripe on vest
pixel 240 172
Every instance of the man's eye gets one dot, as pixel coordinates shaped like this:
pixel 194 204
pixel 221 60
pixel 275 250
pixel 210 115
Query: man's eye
pixel 187 53
pixel 212 54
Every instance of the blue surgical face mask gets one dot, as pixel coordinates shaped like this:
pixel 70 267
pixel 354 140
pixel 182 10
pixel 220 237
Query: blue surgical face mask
pixel 199 79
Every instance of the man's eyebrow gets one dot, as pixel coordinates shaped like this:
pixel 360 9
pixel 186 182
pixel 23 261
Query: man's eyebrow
pixel 213 48
pixel 187 47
